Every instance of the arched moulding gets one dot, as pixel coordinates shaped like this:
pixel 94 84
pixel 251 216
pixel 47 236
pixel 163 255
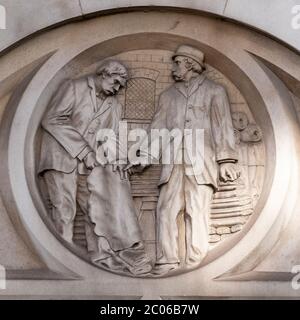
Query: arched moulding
pixel 264 96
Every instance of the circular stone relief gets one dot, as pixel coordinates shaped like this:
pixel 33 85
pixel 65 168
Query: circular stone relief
pixel 245 217
pixel 127 222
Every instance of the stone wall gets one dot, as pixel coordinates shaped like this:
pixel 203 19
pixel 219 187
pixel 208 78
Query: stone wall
pixel 263 251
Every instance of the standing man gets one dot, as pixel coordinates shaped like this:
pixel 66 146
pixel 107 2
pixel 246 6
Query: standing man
pixel 74 177
pixel 68 153
pixel 193 102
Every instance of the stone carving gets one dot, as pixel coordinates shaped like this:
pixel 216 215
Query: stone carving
pixel 193 102
pixel 140 95
pixel 227 202
pixel 248 241
pixel 74 177
pixel 231 207
pixel 249 141
pixel 233 204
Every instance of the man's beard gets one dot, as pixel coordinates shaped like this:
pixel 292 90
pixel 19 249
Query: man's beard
pixel 177 77
pixel 109 92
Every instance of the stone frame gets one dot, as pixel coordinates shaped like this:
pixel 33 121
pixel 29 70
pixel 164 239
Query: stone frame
pixel 262 104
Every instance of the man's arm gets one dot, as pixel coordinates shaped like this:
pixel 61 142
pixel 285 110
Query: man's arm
pixel 223 133
pixel 158 122
pixel 57 122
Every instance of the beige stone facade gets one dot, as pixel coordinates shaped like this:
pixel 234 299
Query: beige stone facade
pixel 253 222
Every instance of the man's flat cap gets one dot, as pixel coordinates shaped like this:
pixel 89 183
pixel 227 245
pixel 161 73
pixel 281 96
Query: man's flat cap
pixel 190 52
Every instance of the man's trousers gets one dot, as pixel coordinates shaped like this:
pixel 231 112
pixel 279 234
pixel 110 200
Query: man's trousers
pixel 182 194
pixel 66 191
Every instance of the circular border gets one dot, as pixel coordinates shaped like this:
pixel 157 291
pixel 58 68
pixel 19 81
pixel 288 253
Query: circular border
pixel 19 133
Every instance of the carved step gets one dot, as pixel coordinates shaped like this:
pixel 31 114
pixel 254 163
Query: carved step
pixel 79 230
pixel 144 179
pixel 236 228
pixel 223 230
pixel 214 238
pixel 81 243
pixel 231 199
pixel 143 193
pixel 226 194
pixel 232 214
pixel 149 199
pixel 79 219
pixel 233 209
pixel 144 184
pixel 80 237
pixel 228 221
pixel 149 206
pixel 79 224
pixel 227 187
pixel 232 204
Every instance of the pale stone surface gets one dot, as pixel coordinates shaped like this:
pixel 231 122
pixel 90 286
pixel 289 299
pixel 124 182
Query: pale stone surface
pixel 14 254
pixel 90 6
pixel 263 12
pixel 275 219
pixel 272 16
pixel 27 17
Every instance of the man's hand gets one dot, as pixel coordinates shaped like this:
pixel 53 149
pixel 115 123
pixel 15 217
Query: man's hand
pixel 90 161
pixel 229 172
pixel 120 168
pixel 135 168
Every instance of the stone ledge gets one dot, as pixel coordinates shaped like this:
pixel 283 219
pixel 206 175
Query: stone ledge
pixel 262 16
